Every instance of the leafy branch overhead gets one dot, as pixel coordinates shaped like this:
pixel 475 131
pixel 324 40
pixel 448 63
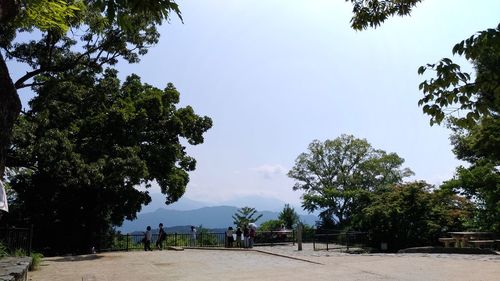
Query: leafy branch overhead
pixel 372 13
pixel 478 95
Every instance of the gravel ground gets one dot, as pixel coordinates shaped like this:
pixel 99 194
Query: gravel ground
pixel 267 264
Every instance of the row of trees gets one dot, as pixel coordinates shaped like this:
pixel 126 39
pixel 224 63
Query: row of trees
pixel 357 187
pixel 287 218
pixel 88 138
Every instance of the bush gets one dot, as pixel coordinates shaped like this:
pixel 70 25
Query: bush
pixel 36 260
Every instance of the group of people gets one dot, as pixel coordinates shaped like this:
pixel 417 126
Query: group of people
pixel 148 235
pixel 244 238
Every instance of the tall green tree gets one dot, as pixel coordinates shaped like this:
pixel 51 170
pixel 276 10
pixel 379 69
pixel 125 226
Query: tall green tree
pixel 288 216
pixel 338 175
pixel 245 215
pixel 84 147
pixel 478 144
pixel 476 134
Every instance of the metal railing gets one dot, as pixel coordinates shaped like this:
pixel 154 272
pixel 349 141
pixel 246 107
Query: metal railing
pixel 339 241
pixel 274 237
pixel 127 242
pixel 17 239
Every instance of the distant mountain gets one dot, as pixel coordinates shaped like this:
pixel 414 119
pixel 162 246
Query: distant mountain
pixel 184 204
pixel 260 203
pixel 209 217
pixel 257 202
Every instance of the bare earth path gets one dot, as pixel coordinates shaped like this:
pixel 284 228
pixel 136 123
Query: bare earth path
pixel 252 265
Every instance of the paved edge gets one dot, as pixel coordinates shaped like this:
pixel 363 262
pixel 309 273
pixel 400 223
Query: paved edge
pixel 285 256
pixel 254 250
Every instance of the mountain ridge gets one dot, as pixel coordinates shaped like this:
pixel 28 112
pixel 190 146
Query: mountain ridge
pixel 208 217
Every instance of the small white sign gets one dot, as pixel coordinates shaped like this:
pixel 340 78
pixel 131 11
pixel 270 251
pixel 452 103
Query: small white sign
pixel 3 198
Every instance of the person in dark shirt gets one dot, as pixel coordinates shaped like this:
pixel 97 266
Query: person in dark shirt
pixel 161 237
pixel 246 236
pixel 238 237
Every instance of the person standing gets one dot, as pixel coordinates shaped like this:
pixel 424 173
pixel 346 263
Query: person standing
pixel 161 237
pixel 238 237
pixel 147 239
pixel 246 236
pixel 251 238
pixel 229 237
pixel 193 236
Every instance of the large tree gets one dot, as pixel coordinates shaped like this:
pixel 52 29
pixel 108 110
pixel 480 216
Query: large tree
pixel 479 145
pixel 476 133
pixel 86 144
pixel 338 175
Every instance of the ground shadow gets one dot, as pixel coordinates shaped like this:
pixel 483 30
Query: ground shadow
pixel 78 258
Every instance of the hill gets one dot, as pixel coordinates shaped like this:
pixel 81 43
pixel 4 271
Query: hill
pixel 208 217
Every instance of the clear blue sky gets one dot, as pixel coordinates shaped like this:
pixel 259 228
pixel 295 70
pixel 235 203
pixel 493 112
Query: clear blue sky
pixel 275 75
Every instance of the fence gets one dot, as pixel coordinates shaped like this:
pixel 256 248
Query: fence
pixel 17 239
pixel 126 242
pixel 274 237
pixel 339 241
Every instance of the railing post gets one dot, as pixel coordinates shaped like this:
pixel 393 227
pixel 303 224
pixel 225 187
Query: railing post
pixel 175 239
pixel 127 241
pixel 30 238
pixel 299 237
pixel 314 241
pixel 347 241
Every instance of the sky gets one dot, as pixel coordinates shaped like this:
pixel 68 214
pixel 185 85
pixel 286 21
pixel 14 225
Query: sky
pixel 275 75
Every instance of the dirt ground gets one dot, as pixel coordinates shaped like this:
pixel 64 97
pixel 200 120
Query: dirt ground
pixel 269 263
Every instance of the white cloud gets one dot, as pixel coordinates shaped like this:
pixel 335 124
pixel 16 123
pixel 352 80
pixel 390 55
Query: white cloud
pixel 270 171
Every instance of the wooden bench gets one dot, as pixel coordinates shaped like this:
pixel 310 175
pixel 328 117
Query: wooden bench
pixel 447 241
pixel 481 243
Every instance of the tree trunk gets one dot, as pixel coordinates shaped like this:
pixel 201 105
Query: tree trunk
pixel 8 10
pixel 10 108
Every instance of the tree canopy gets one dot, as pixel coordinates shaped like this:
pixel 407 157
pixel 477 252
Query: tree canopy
pixel 336 176
pixel 84 147
pixel 372 13
pixel 477 95
pixel 410 215
pixel 288 216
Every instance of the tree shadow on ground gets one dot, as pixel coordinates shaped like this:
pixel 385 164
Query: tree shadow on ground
pixel 78 258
